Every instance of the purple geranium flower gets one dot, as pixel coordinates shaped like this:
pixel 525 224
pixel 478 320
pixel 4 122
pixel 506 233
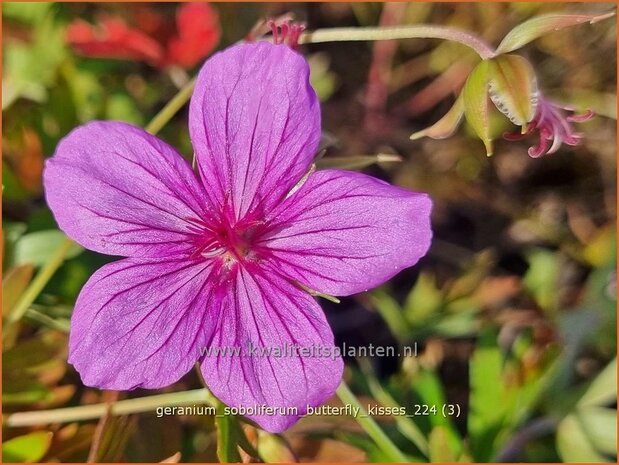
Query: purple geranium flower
pixel 225 260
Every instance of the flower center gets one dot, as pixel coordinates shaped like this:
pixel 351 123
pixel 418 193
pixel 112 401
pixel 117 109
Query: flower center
pixel 231 242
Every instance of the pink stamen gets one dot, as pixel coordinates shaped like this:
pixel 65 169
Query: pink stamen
pixel 553 124
pixel 275 31
pixel 286 32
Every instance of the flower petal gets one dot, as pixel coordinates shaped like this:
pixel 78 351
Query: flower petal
pixel 254 122
pixel 116 189
pixel 275 326
pixel 344 232
pixel 141 324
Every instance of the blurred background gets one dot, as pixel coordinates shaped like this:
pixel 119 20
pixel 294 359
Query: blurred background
pixel 513 310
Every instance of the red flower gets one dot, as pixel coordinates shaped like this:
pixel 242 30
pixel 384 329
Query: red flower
pixel 151 40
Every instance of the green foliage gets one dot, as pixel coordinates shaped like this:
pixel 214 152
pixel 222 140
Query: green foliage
pixel 30 69
pixel 27 448
pixel 541 25
pixel 589 433
pixel 37 248
pixel 541 279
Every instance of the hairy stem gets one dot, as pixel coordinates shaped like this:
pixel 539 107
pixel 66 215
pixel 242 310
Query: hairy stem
pixel 346 34
pixel 122 407
pixel 340 35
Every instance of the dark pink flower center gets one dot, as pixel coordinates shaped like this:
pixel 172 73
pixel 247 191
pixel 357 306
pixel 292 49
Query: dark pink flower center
pixel 231 242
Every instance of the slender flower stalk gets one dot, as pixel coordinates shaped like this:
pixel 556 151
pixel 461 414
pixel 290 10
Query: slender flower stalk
pixel 347 34
pixel 340 35
pixel 121 407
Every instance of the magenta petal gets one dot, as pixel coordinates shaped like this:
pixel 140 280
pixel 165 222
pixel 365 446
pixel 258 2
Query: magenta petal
pixel 140 324
pixel 344 232
pixel 254 122
pixel 265 313
pixel 118 190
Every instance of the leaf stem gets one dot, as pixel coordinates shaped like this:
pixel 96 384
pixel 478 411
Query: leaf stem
pixel 122 407
pixel 345 34
pixel 393 454
pixel 171 108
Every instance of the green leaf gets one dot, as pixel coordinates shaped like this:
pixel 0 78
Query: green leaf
pixel 44 320
pixel 23 390
pixel 427 385
pixel 14 284
pixel 542 25
pixel 440 446
pixel 603 389
pixel 445 126
pixel 26 12
pixel 601 248
pixel 588 435
pixel 31 68
pixel 28 448
pixel 391 312
pixel 423 300
pixel 462 324
pixel 87 93
pixel 513 88
pixel 405 424
pixel 541 277
pixel 487 401
pixel 121 107
pixel 33 352
pixel 600 424
pixel 11 233
pixel 37 248
pixel 273 448
pixel 429 389
pixel 323 80
pixel 476 108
